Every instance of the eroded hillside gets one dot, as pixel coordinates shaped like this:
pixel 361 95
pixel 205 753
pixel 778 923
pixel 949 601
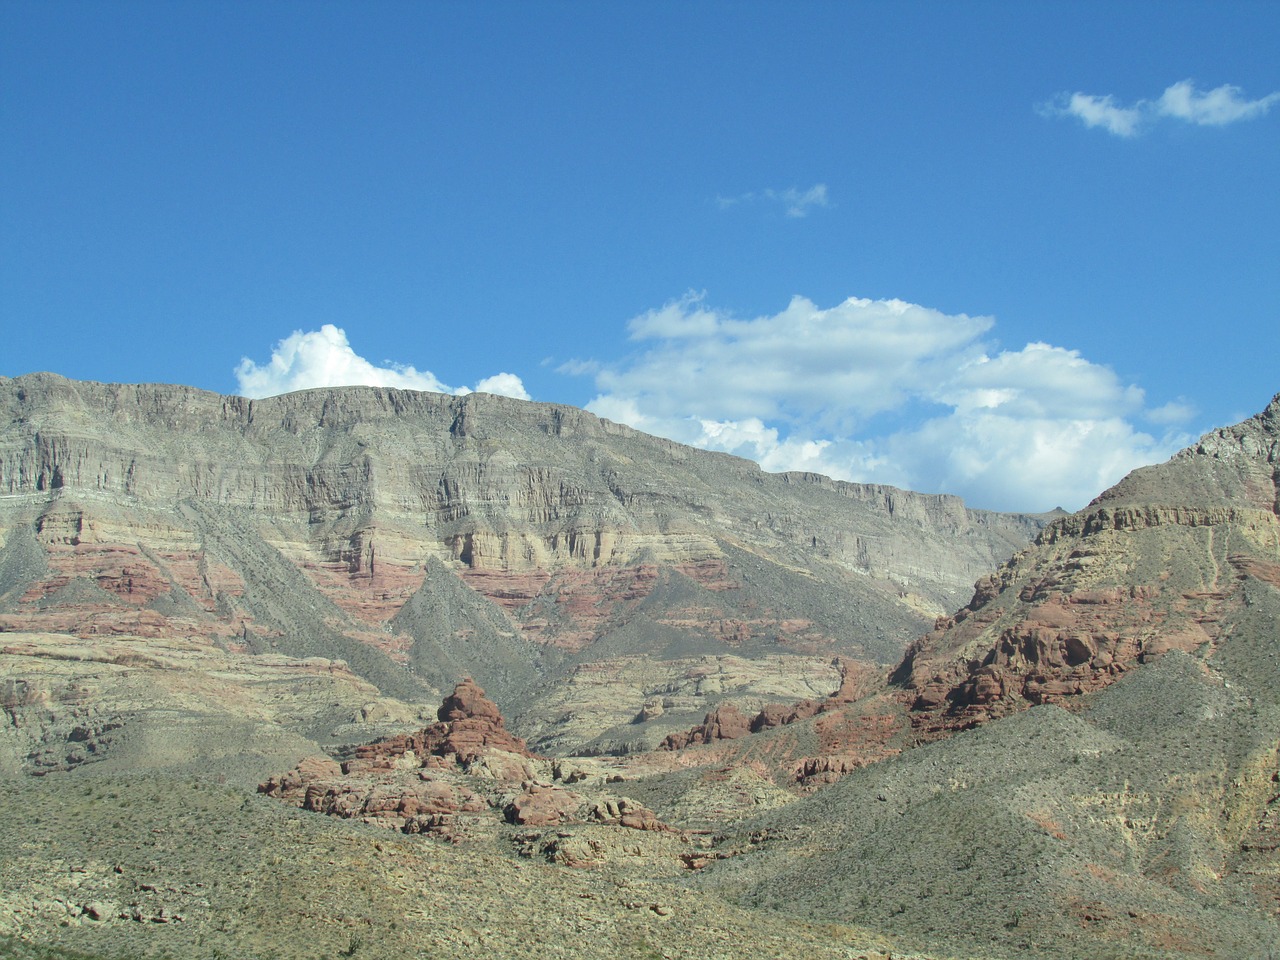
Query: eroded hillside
pixel 227 629
pixel 422 538
pixel 1097 734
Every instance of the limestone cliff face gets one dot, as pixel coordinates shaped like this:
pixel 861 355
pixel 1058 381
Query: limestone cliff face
pixel 424 537
pixel 1164 560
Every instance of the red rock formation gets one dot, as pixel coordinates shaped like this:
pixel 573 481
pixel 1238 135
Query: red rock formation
pixel 781 714
pixel 469 726
pixel 543 805
pixel 857 680
pixel 353 573
pixel 468 702
pixel 1057 644
pixel 425 802
pixel 725 722
pixel 421 782
pixel 1107 589
pixel 410 782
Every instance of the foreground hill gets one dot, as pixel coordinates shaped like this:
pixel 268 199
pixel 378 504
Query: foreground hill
pixel 1113 792
pixel 576 568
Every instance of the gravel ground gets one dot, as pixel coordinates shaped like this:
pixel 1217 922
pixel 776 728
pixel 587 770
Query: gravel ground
pixel 152 866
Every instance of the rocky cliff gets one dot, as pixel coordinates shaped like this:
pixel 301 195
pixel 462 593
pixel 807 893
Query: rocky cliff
pixel 1092 762
pixel 421 538
pixel 1165 560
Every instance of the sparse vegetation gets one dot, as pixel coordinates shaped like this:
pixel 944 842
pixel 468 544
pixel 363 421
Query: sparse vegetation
pixel 1130 820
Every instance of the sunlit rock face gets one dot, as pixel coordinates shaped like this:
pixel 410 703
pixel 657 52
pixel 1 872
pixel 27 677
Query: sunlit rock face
pixel 1161 561
pixel 422 538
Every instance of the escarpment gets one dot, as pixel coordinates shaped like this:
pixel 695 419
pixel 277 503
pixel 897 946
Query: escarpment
pixel 422 538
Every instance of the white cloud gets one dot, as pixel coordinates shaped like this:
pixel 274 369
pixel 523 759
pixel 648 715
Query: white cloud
pixel 1181 101
pixel 1173 412
pixel 796 203
pixel 1027 463
pixel 885 391
pixel 804 365
pixel 577 368
pixel 751 438
pixel 324 358
pixel 1103 112
pixel 679 319
pixel 504 385
pixel 1039 381
pixel 1219 106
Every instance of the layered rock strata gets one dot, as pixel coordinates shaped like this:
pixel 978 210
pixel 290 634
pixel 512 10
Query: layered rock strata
pixel 143 703
pixel 421 538
pixel 1159 562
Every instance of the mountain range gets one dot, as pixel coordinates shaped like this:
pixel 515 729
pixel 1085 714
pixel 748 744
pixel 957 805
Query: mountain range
pixel 765 714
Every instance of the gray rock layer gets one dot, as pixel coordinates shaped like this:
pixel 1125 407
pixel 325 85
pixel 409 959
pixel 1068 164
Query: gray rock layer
pixel 329 522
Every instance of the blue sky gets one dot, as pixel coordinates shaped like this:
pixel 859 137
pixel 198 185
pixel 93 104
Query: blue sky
pixel 1008 251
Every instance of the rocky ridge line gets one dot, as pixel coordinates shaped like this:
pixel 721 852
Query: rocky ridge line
pixel 1156 563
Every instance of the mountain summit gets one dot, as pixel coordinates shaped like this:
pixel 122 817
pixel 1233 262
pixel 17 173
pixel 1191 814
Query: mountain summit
pixel 1160 561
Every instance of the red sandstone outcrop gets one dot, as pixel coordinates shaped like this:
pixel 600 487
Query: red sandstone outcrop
pixel 412 781
pixel 727 722
pixel 1157 563
pixel 781 714
pixel 543 805
pixel 469 726
pixel 467 763
pixel 1056 636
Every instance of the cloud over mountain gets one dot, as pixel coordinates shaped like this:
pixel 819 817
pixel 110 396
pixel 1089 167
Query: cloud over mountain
pixel 888 391
pixel 325 358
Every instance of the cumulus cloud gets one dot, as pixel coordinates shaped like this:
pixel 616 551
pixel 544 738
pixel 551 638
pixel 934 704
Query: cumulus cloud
pixel 325 358
pixel 1007 461
pixel 808 365
pixel 1181 101
pixel 796 203
pixel 504 385
pixel 886 391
